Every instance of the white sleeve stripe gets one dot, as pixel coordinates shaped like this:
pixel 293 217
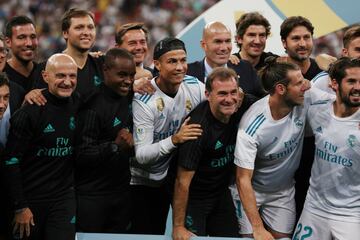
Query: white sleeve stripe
pixel 255 124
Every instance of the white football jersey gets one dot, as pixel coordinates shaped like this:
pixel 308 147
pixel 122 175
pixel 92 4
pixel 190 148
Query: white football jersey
pixel 272 148
pixel 321 81
pixel 156 118
pixel 335 176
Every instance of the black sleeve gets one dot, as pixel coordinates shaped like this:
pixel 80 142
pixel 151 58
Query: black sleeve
pixel 20 134
pixel 89 150
pixel 190 152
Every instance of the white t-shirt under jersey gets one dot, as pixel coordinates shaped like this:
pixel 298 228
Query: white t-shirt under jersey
pixel 272 148
pixel 335 176
pixel 156 118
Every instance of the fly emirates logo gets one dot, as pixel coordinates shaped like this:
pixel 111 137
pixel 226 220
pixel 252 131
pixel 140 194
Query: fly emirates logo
pixel 328 152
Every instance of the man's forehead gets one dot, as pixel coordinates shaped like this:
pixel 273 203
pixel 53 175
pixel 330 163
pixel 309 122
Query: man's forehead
pixel 4 90
pixel 81 20
pixel 175 54
pixel 299 30
pixel 24 27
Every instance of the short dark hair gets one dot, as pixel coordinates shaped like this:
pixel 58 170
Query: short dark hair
pixel 4 80
pixel 167 44
pixel 350 34
pixel 220 73
pixel 338 68
pixel 251 18
pixel 292 22
pixel 16 21
pixel 123 29
pixel 115 53
pixel 73 13
pixel 274 73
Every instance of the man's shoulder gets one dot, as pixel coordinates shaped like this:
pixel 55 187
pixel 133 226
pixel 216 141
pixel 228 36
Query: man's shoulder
pixel 196 69
pixel 256 114
pixel 243 68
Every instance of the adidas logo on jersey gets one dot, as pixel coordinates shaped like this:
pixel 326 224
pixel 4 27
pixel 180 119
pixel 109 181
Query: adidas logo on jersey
pixel 218 145
pixel 49 129
pixel 116 122
pixel 319 129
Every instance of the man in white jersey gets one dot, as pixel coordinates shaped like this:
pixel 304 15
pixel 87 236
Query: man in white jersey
pixel 351 41
pixel 268 150
pixel 332 206
pixel 157 132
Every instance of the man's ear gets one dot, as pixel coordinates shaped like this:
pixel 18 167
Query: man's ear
pixel 207 94
pixel 280 89
pixel 65 35
pixel 284 43
pixel 334 84
pixel 203 44
pixel 239 39
pixel 157 64
pixel 45 75
pixel 345 52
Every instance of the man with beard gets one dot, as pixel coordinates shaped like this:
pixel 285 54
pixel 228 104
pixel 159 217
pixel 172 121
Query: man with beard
pixel 297 38
pixel 351 49
pixel 38 165
pixel 332 207
pixel 252 30
pixel 216 43
pixel 79 32
pixel 21 39
pixel 271 134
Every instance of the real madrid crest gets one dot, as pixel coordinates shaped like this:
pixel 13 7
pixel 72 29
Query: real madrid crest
pixel 160 104
pixel 188 105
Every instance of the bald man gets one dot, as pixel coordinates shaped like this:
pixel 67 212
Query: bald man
pixel 38 158
pixel 217 46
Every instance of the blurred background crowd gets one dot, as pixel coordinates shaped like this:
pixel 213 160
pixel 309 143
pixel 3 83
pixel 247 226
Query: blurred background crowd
pixel 162 17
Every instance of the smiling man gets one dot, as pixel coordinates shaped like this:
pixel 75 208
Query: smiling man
pixel 252 31
pixel 105 144
pixel 268 150
pixel 158 131
pixel 332 209
pixel 21 39
pixel 79 31
pixel 134 38
pixel 217 45
pixel 297 38
pixel 202 202
pixel 38 157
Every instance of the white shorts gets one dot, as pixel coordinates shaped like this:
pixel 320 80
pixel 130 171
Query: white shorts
pixel 314 227
pixel 277 210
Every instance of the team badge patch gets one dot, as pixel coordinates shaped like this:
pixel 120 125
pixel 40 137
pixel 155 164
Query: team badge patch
pixel 298 122
pixel 140 134
pixel 97 80
pixel 160 104
pixel 352 141
pixel 188 105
